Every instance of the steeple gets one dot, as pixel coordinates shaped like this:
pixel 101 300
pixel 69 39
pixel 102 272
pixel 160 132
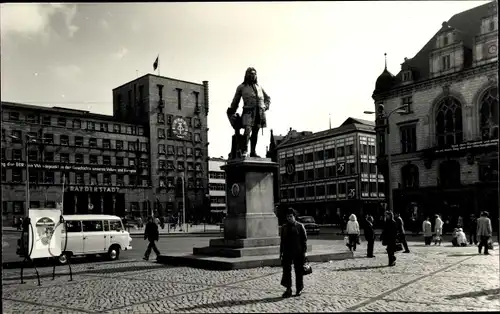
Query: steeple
pixel 330 121
pixel 385 57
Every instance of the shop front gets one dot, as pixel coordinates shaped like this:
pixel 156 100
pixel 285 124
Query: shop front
pixel 94 200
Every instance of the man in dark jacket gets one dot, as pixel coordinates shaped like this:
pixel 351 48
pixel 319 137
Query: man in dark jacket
pixel 401 232
pixel 472 230
pixel 152 234
pixel 369 235
pixel 389 236
pixel 293 249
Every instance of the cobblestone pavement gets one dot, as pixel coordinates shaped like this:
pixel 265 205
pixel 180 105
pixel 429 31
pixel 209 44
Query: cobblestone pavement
pixel 428 279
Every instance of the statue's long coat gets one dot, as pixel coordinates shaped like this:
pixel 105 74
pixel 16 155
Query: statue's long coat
pixel 255 101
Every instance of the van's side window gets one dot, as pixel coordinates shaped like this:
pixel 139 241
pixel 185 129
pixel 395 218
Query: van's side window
pixel 92 225
pixel 106 225
pixel 73 226
pixel 115 225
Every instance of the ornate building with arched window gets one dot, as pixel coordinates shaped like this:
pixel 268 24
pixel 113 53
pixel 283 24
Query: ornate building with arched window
pixel 444 142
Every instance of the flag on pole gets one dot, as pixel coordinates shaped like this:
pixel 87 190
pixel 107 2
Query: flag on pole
pixel 155 64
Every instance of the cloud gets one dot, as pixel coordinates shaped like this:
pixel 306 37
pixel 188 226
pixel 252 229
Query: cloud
pixel 28 19
pixel 66 72
pixel 120 54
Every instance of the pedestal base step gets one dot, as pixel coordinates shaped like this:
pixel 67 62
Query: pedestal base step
pixel 226 263
pixel 239 252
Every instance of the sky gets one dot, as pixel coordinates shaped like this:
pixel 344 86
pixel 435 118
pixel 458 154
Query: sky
pixel 317 60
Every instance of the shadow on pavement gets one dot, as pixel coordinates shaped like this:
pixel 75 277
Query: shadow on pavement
pixel 229 303
pixel 89 270
pixel 458 255
pixel 361 268
pixel 491 294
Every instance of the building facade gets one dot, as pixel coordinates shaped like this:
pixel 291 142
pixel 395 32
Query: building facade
pixel 103 163
pixel 331 173
pixel 176 112
pixel 217 189
pixel 444 147
pixel 155 141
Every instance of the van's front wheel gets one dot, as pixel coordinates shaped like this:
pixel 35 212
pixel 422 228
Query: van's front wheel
pixel 114 253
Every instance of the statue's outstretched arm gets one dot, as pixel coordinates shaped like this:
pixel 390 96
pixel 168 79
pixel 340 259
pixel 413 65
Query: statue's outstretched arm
pixel 236 100
pixel 267 99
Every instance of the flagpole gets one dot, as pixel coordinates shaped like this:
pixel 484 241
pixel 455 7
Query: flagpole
pixel 159 65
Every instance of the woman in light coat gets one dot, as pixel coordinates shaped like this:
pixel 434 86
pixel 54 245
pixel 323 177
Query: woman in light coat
pixel 352 230
pixel 427 230
pixel 438 230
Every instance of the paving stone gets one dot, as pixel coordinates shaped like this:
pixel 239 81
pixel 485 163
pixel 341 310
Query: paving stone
pixel 101 293
pixel 478 292
pixel 205 277
pixel 234 300
pixel 473 270
pixel 398 306
pixel 14 284
pixel 14 307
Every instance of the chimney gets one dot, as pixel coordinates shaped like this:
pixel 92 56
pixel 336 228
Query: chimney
pixel 205 93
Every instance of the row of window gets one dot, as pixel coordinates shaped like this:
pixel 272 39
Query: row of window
pixel 169 165
pixel 93 226
pixel 340 189
pixel 33 156
pixel 181 150
pixel 76 124
pixel 78 141
pixel 449 123
pixel 216 186
pixel 338 170
pixel 18 206
pixel 188 136
pixel 321 155
pixel 49 177
pixel 217 200
pixel 191 183
pixel 217 175
pixel 196 123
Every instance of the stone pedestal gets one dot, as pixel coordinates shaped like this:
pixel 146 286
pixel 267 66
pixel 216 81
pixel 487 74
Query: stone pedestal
pixel 251 226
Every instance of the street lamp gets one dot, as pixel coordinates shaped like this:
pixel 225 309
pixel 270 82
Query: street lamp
pixel 29 139
pixel 382 114
pixel 183 204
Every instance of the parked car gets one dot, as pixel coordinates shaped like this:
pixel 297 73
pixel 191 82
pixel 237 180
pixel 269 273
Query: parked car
pixel 311 226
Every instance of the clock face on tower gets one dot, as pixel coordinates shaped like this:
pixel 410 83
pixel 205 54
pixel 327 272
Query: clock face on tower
pixel 180 128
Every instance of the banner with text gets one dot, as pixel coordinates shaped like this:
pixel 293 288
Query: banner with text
pixel 66 167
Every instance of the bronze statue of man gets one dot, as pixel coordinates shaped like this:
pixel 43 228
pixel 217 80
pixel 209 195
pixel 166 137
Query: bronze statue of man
pixel 255 103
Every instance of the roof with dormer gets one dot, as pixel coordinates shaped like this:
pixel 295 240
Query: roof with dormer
pixel 467 24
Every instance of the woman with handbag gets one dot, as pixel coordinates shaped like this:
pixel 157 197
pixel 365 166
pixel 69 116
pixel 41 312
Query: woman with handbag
pixel 352 230
pixel 389 237
pixel 293 248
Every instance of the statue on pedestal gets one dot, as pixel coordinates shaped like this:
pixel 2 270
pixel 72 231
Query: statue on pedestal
pixel 255 103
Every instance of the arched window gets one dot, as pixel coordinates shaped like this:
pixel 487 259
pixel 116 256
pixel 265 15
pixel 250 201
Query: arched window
pixel 449 130
pixel 409 176
pixel 449 173
pixel 489 114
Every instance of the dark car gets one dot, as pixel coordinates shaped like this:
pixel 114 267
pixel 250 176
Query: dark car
pixel 311 226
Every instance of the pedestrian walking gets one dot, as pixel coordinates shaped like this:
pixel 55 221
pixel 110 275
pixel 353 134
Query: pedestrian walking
pixel 427 231
pixel 401 232
pixel 484 232
pixel 472 230
pixel 389 237
pixel 293 248
pixel 152 234
pixel 352 230
pixel 369 236
pixel 438 230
